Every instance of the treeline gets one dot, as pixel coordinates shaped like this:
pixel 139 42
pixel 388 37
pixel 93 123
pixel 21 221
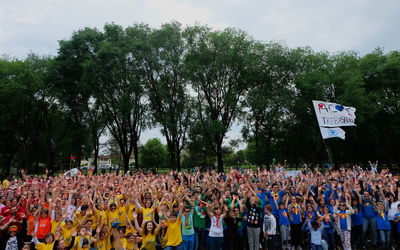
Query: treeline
pixel 193 82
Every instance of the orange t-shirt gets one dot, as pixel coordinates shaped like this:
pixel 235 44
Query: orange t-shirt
pixel 31 224
pixel 44 227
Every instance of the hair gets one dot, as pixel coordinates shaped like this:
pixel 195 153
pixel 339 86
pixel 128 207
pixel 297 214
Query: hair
pixel 145 228
pixel 268 207
pixel 48 235
pixel 84 207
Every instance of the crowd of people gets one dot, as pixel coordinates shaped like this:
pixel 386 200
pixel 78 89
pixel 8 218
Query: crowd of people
pixel 240 209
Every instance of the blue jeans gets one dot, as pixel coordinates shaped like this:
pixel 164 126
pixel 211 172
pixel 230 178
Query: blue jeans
pixel 384 236
pixel 188 242
pixel 178 247
pixel 371 223
pixel 200 238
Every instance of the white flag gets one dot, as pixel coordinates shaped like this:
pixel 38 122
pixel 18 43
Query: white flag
pixel 332 132
pixel 331 114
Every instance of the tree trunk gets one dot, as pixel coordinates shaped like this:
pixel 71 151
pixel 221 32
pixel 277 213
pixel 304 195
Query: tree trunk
pixel 178 157
pixel 136 155
pixel 172 155
pixel 220 163
pixel 125 159
pixel 258 160
pixel 96 155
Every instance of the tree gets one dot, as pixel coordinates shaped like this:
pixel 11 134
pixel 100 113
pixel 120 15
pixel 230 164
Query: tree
pixel 268 100
pixel 74 90
pixel 216 64
pixel 153 154
pixel 167 88
pixel 97 124
pixel 119 89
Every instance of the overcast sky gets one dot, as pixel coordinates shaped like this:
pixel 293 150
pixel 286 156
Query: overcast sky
pixel 336 25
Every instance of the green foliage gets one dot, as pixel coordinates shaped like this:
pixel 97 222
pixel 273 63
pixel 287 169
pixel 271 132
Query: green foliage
pixel 194 83
pixel 153 154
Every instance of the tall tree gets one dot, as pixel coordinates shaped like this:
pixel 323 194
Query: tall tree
pixel 75 91
pixel 217 66
pixel 119 89
pixel 268 99
pixel 167 88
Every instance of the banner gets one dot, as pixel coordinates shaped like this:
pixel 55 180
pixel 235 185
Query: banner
pixel 334 115
pixel 332 132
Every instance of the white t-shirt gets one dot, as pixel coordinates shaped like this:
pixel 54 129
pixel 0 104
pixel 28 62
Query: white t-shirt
pixel 216 228
pixel 12 243
pixel 393 210
pixel 269 224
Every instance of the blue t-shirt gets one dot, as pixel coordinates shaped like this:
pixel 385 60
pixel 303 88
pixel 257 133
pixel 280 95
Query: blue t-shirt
pixel 327 193
pixel 357 217
pixel 368 209
pixel 295 214
pixel 343 220
pixel 311 215
pixel 396 218
pixel 283 217
pixel 382 221
pixel 262 195
pixel 278 196
pixel 328 227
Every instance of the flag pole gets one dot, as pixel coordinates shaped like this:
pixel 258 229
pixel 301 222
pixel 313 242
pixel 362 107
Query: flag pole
pixel 326 147
pixel 327 151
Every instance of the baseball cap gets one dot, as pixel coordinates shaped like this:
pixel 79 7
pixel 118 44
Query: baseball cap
pixel 13 228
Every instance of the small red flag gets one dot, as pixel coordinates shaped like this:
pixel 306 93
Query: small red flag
pixel 73 157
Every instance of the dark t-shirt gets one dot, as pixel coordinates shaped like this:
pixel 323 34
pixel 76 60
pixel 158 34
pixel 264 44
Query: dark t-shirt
pixel 254 215
pixel 231 226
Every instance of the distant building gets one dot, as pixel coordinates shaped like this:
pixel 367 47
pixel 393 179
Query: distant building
pixel 104 162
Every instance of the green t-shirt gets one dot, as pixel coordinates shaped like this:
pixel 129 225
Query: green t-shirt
pixel 199 216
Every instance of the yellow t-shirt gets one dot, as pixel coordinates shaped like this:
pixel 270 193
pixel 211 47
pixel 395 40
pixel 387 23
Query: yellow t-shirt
pixel 112 216
pixel 54 225
pixel 149 242
pixel 66 233
pixel 103 244
pixel 128 245
pixel 147 214
pixel 78 240
pixel 43 246
pixel 129 209
pixel 104 217
pixel 162 239
pixel 122 215
pixel 174 234
pixel 130 230
pixel 80 217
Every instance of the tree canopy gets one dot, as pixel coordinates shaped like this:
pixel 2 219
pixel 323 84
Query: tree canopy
pixel 194 83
